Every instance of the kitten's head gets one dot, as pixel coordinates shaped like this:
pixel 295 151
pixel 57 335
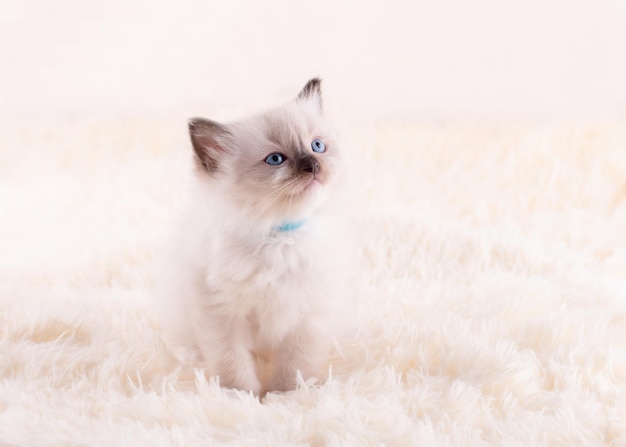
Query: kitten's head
pixel 277 166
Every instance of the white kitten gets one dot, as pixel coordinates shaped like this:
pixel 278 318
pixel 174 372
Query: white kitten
pixel 257 268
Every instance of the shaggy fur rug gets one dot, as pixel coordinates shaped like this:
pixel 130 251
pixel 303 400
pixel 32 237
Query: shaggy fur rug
pixel 491 301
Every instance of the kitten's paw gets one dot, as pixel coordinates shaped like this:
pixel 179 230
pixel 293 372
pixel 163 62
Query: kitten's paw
pixel 281 385
pixel 250 385
pixel 186 355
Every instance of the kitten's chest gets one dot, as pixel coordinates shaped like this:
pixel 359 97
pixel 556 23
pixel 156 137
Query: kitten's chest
pixel 268 268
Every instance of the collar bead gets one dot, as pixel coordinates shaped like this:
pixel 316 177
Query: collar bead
pixel 286 227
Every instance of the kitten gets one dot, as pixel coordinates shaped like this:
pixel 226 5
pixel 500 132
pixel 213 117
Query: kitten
pixel 256 271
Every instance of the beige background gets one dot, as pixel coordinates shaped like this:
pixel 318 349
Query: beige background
pixel 380 59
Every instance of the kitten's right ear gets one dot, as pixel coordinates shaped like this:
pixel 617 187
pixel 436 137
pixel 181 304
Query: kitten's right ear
pixel 312 90
pixel 209 140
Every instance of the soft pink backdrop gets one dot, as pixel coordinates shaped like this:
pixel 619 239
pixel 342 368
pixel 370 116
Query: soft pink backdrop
pixel 380 59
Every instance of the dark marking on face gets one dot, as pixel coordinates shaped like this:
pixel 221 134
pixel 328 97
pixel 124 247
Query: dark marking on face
pixel 308 163
pixel 285 138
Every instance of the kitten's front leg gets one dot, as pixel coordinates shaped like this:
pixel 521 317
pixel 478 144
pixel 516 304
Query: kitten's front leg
pixel 226 345
pixel 303 350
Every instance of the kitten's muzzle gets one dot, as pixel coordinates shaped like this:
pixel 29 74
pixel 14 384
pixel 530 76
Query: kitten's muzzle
pixel 308 164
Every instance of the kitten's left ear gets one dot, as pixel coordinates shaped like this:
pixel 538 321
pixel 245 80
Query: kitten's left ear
pixel 210 141
pixel 312 90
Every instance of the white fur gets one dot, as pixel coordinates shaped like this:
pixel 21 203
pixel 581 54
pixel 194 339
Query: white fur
pixel 491 292
pixel 230 292
pixel 237 295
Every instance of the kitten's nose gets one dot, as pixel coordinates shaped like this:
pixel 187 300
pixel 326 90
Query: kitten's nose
pixel 308 164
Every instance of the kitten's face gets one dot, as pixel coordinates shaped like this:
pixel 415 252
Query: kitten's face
pixel 276 166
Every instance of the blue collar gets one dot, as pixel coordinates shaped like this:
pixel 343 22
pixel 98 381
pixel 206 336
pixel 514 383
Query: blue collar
pixel 285 227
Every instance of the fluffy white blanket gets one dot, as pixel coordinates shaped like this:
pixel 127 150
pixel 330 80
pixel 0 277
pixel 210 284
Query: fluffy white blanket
pixel 492 293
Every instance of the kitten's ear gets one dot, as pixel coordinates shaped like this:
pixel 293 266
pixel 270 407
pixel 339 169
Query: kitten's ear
pixel 209 140
pixel 312 90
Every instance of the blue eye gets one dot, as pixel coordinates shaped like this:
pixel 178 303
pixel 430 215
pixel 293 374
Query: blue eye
pixel 318 145
pixel 275 159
